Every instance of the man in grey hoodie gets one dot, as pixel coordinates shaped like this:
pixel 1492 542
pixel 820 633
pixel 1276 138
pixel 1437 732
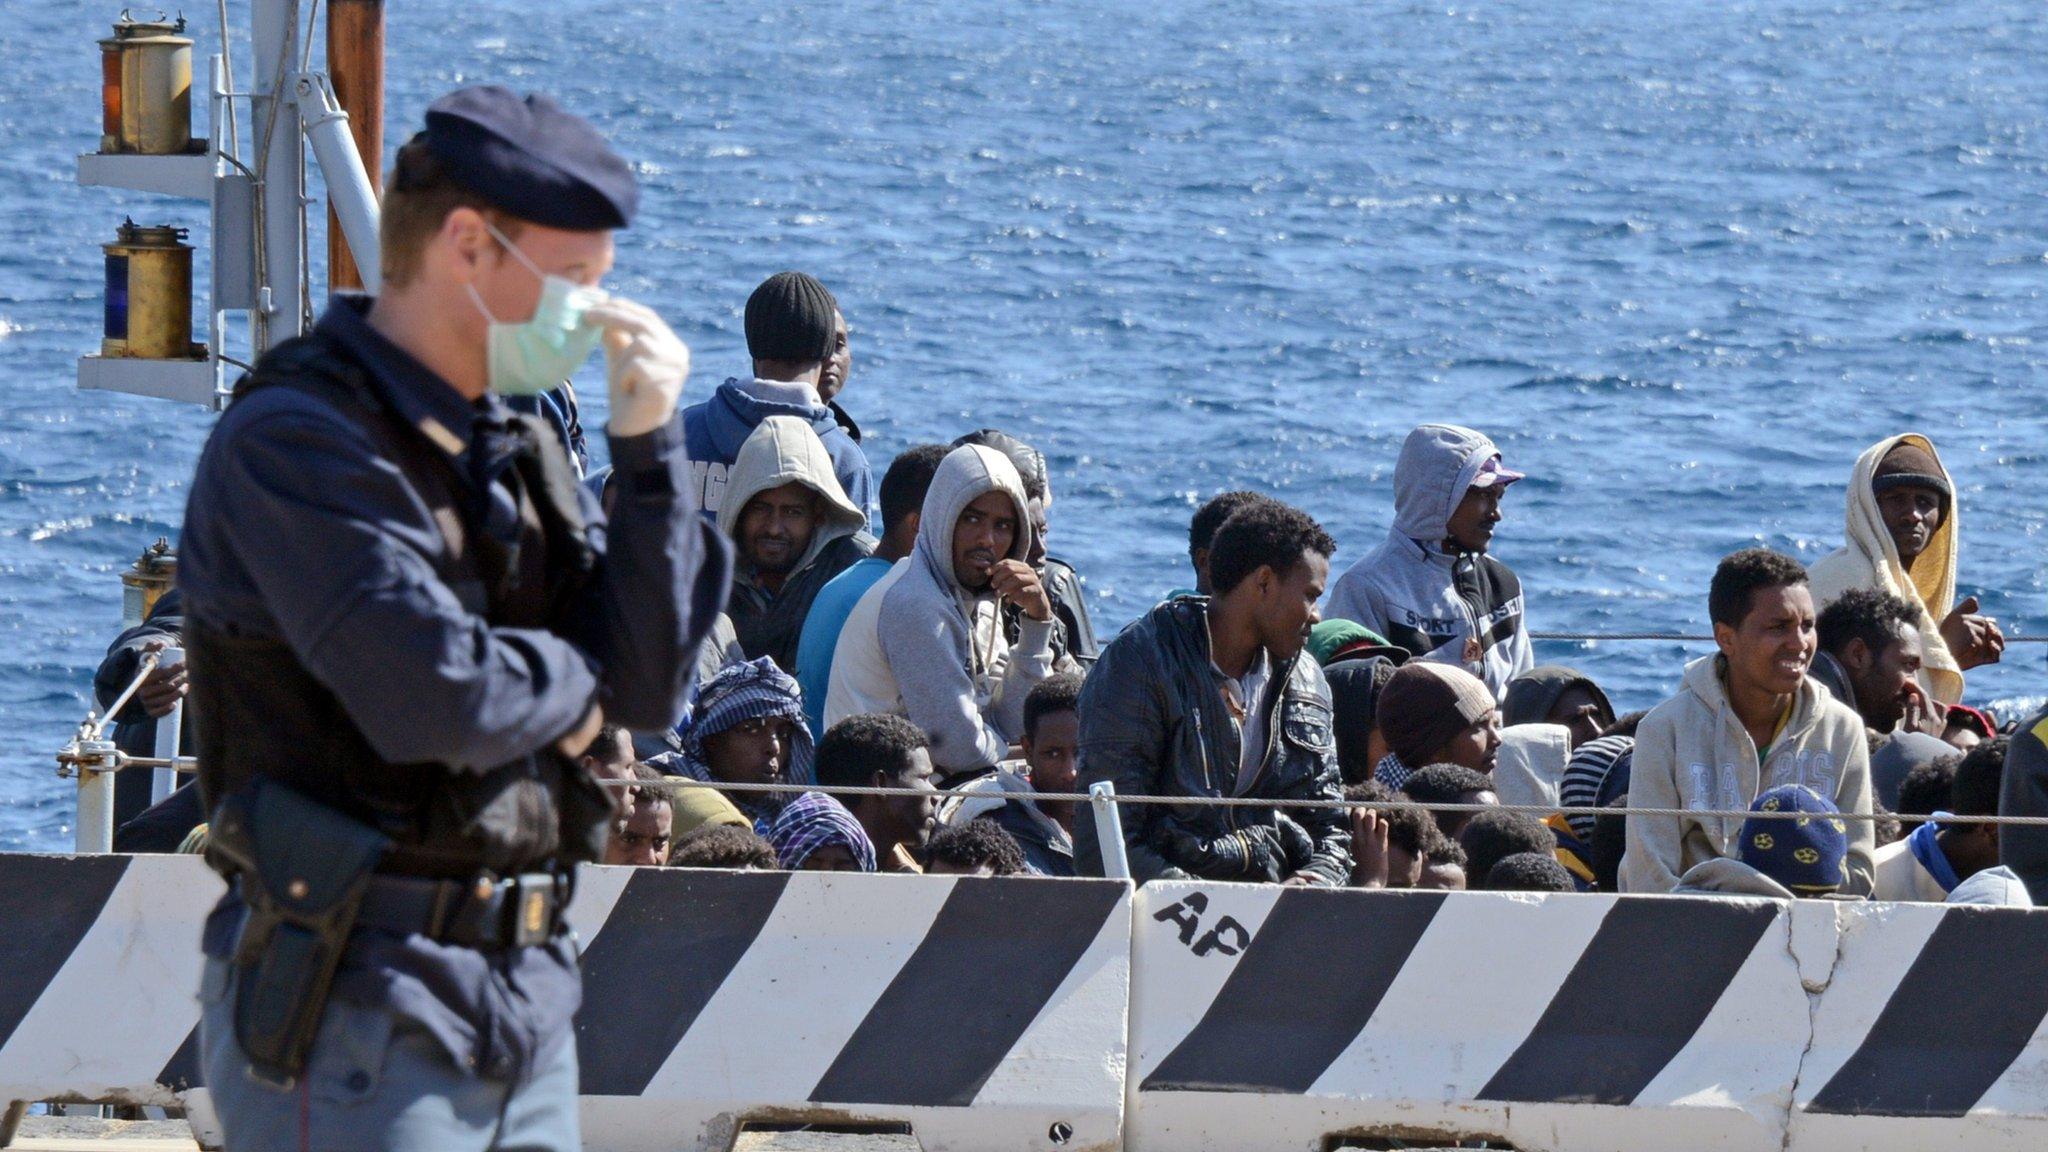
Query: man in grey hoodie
pixel 936 650
pixel 1430 587
pixel 1745 720
pixel 795 531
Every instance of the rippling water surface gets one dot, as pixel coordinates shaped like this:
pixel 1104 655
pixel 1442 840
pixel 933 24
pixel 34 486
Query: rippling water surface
pixel 1683 260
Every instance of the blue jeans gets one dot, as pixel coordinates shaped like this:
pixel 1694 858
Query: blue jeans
pixel 377 1082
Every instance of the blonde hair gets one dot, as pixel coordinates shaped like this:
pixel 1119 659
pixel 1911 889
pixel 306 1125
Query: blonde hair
pixel 417 200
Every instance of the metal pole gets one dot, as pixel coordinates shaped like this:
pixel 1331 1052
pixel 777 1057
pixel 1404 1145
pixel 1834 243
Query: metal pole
pixel 1109 831
pixel 355 61
pixel 169 729
pixel 350 197
pixel 95 834
pixel 280 162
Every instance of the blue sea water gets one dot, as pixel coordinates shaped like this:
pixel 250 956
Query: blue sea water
pixel 1683 260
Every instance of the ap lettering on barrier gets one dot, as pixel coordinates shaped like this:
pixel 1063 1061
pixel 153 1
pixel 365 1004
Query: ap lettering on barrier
pixel 1226 936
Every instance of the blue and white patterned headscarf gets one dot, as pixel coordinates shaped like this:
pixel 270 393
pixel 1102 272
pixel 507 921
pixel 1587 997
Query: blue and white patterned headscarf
pixel 813 821
pixel 746 691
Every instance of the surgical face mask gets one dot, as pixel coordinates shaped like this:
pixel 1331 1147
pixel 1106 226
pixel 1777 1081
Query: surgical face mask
pixel 529 358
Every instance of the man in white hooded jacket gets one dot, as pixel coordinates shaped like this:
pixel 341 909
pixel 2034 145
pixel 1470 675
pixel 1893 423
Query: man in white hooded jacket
pixel 1744 721
pixel 1430 587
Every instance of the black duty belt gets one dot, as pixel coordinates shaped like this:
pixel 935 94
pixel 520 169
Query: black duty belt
pixel 487 912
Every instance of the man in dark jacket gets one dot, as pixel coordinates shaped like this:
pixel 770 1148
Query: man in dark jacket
pixel 406 621
pixel 2023 848
pixel 794 531
pixel 1213 697
pixel 135 725
pixel 1044 829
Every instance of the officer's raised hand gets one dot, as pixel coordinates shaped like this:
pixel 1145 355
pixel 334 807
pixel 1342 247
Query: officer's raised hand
pixel 646 364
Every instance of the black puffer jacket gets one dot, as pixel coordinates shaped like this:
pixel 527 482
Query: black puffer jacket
pixel 1153 722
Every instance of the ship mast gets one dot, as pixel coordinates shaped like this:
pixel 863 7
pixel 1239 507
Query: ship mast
pixel 355 63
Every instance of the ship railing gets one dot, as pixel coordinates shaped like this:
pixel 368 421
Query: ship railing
pixel 93 760
pixel 1104 801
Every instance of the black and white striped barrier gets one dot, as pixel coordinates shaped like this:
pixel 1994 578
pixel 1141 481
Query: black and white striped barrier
pixel 99 963
pixel 993 1014
pixel 1931 1032
pixel 1271 1018
pixel 985 1014
pixel 982 1014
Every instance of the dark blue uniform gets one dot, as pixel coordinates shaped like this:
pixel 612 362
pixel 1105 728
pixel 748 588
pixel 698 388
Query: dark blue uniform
pixel 300 530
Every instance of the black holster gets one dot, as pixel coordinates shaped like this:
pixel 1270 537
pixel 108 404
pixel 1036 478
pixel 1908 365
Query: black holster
pixel 302 868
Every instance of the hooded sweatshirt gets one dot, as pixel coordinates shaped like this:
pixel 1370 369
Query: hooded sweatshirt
pixel 861 680
pixel 1530 767
pixel 783 450
pixel 935 650
pixel 1727 876
pixel 1535 692
pixel 1439 605
pixel 1693 752
pixel 1871 560
pixel 714 431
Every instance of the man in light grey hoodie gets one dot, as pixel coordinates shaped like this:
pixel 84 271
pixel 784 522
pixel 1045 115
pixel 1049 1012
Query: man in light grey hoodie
pixel 1746 720
pixel 927 641
pixel 1430 587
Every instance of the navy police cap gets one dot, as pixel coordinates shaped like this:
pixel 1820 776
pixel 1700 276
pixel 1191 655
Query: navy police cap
pixel 532 159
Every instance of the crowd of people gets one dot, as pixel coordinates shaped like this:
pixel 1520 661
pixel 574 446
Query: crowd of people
pixel 1823 749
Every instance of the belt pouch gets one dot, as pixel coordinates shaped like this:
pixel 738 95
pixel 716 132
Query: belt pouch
pixel 303 869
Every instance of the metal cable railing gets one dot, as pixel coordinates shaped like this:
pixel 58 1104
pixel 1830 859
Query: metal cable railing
pixel 1537 810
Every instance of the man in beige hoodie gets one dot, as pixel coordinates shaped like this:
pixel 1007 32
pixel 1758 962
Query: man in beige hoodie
pixel 1902 536
pixel 1745 720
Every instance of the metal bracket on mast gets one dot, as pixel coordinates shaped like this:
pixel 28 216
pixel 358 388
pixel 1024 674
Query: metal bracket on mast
pixel 348 181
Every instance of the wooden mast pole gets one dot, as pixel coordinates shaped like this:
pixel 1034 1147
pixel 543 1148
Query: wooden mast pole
pixel 355 65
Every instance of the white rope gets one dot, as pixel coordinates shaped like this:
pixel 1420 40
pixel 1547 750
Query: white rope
pixel 678 783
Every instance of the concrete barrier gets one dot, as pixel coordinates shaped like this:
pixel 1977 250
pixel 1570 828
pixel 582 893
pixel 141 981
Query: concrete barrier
pixel 984 1014
pixel 1283 1018
pixel 98 969
pixel 993 1014
pixel 981 1014
pixel 1930 1032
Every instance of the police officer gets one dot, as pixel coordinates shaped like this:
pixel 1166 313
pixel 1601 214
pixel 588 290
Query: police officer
pixel 405 621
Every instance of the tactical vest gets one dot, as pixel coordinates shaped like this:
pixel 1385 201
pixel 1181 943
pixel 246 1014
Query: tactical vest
pixel 262 713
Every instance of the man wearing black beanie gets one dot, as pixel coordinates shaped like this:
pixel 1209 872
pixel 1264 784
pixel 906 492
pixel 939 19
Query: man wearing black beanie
pixel 797 340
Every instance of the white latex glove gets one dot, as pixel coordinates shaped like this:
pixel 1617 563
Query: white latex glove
pixel 646 364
